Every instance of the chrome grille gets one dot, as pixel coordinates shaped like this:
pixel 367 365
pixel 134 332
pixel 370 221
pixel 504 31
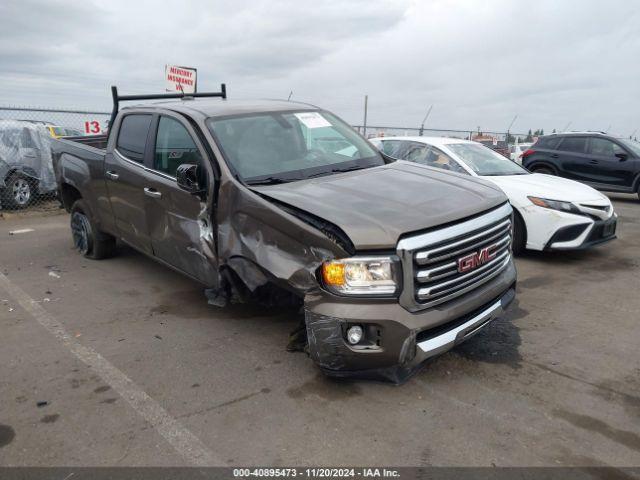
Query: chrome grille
pixel 430 261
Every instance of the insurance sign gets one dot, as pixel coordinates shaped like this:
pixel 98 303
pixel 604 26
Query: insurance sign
pixel 180 79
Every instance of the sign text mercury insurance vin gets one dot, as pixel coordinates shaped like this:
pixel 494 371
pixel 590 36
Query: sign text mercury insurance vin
pixel 393 262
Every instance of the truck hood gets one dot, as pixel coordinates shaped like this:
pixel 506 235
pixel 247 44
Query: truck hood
pixel 547 186
pixel 375 206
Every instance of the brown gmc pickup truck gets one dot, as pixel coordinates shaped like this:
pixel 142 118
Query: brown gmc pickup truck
pixel 393 262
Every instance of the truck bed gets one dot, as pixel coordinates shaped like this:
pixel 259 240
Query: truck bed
pixel 96 141
pixel 79 158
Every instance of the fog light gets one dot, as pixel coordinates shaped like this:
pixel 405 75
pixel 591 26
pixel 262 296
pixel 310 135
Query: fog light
pixel 354 334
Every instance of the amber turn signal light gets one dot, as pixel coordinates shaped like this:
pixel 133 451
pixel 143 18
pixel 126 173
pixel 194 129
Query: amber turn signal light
pixel 333 273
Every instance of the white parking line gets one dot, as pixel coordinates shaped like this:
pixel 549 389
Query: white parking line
pixel 181 439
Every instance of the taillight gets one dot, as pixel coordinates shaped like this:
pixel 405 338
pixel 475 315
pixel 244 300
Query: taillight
pixel 526 153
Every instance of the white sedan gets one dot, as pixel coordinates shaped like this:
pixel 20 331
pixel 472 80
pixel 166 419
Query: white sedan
pixel 551 213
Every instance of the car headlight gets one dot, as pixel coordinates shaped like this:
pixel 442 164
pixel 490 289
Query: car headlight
pixel 554 204
pixel 362 276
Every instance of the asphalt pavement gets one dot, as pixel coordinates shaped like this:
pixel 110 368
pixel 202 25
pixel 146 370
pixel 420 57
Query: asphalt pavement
pixel 122 362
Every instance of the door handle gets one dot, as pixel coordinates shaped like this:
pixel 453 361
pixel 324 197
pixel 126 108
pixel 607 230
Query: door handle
pixel 110 174
pixel 554 155
pixel 152 192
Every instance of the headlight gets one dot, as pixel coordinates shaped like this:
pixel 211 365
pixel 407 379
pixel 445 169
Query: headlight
pixel 554 204
pixel 362 276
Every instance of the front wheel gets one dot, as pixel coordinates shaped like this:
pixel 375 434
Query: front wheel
pixel 19 191
pixel 88 240
pixel 519 234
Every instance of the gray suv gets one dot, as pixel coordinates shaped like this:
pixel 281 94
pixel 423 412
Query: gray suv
pixel 605 162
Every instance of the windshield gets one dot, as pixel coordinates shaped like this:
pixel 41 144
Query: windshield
pixel 280 147
pixel 484 161
pixel 631 145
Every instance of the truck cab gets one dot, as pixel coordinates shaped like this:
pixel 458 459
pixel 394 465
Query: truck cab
pixel 391 262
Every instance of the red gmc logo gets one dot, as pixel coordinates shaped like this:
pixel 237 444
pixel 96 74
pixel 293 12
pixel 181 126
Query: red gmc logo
pixel 475 259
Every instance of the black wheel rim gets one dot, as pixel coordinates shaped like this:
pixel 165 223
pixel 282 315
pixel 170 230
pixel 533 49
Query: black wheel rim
pixel 81 232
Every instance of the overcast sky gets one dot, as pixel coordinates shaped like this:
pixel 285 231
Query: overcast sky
pixel 478 62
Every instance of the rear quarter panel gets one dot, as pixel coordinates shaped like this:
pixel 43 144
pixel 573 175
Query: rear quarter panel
pixel 82 167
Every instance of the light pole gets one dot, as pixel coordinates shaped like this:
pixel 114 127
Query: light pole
pixel 364 127
pixel 509 127
pixel 424 120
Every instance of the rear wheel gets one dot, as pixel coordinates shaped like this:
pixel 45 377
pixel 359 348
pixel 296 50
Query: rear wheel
pixel 19 191
pixel 519 234
pixel 88 240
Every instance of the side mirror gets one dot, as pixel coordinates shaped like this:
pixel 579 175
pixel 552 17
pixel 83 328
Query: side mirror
pixel 187 176
pixel 622 156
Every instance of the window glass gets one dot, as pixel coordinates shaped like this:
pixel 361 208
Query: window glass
pixel 391 148
pixel 442 160
pixel 133 136
pixel 174 146
pixel 290 146
pixel 416 152
pixel 604 147
pixel 484 161
pixel 631 145
pixel 432 157
pixel 27 140
pixel 548 142
pixel 573 144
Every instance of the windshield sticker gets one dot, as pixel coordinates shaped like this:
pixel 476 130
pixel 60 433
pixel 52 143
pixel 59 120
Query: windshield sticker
pixel 312 120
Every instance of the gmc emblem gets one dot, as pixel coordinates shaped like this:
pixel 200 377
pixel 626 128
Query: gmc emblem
pixel 475 259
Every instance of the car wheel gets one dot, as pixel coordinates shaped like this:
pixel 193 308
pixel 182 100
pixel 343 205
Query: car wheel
pixel 19 191
pixel 543 170
pixel 519 234
pixel 88 240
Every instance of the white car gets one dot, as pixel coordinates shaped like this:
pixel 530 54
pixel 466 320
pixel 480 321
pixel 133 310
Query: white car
pixel 551 213
pixel 516 151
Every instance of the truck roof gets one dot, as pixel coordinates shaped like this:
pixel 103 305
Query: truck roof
pixel 215 107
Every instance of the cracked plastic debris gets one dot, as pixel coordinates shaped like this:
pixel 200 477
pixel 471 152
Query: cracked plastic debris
pixel 329 351
pixel 216 297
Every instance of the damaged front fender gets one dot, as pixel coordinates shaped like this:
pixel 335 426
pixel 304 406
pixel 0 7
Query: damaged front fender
pixel 262 243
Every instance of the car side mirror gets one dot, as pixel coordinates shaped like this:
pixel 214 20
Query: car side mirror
pixel 187 178
pixel 622 156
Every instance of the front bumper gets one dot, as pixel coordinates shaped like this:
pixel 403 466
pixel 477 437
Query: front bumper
pixel 398 341
pixel 584 235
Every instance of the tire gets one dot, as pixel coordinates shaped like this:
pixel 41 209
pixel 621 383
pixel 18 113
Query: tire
pixel 87 239
pixel 544 170
pixel 519 234
pixel 19 191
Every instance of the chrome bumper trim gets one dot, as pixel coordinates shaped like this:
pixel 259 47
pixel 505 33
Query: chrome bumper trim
pixel 441 343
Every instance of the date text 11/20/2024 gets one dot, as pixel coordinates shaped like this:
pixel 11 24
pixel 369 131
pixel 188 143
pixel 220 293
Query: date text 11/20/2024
pixel 316 472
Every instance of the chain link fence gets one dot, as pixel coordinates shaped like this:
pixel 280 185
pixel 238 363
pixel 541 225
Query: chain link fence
pixel 498 141
pixel 27 181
